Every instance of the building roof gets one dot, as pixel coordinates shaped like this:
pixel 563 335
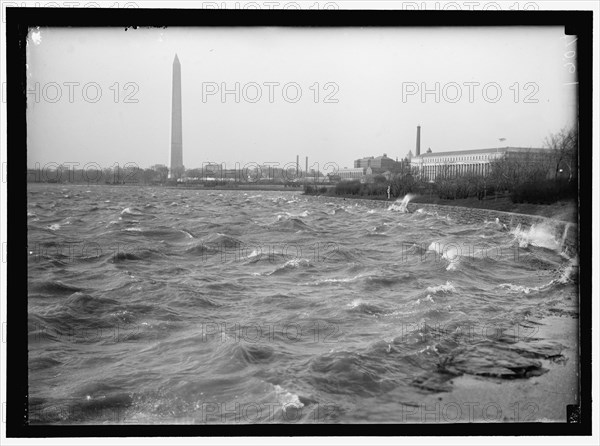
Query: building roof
pixel 483 151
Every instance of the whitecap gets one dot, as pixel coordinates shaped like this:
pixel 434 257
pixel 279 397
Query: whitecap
pixel 448 287
pixel 425 299
pixel 340 280
pixel 130 211
pixel 519 288
pixel 287 399
pixel 537 235
pixel 401 205
pixel 355 303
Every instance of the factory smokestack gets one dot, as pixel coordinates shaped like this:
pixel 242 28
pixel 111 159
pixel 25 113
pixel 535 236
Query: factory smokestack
pixel 418 149
pixel 297 164
pixel 306 168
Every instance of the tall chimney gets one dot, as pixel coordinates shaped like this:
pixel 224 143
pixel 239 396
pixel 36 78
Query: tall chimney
pixel 418 150
pixel 306 169
pixel 297 164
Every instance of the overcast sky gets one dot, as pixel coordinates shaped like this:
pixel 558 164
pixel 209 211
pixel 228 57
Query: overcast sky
pixel 368 100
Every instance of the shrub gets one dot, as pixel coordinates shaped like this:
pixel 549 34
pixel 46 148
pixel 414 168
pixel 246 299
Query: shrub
pixel 348 188
pixel 543 192
pixel 539 192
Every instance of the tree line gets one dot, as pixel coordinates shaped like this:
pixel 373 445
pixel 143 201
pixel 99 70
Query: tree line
pixel 531 177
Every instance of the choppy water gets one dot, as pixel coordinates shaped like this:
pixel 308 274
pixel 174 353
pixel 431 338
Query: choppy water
pixel 157 305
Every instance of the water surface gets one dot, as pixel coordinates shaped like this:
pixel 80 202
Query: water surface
pixel 154 305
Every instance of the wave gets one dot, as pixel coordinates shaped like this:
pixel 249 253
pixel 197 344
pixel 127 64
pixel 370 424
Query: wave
pixel 400 205
pixel 85 303
pixel 42 363
pixel 335 253
pixel 387 280
pixel 290 265
pixel 337 280
pixel 540 235
pixel 136 254
pixel 567 274
pixel 448 287
pixel 55 288
pixel 288 399
pixel 450 252
pixel 134 214
pixel 370 280
pixel 201 248
pixel 521 288
pixel 163 233
pixel 428 299
pixel 359 306
pixel 354 373
pixel 219 241
pixel 338 211
pixel 132 211
pixel 287 215
pixel 292 224
pixel 255 354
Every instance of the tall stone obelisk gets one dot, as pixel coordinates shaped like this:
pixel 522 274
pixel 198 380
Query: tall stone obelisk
pixel 176 166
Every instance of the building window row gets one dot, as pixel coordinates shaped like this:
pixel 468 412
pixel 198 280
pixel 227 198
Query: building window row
pixel 433 171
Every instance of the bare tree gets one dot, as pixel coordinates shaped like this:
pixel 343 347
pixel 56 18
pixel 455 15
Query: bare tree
pixel 564 146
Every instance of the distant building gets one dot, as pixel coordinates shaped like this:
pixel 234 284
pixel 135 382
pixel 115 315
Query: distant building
pixel 363 162
pixel 379 164
pixel 212 170
pixel 357 173
pixel 429 165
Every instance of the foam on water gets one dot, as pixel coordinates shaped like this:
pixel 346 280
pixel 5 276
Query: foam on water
pixel 450 252
pixel 540 235
pixel 401 204
pixel 448 287
pixel 287 399
pixel 338 280
pixel 428 298
pixel 131 211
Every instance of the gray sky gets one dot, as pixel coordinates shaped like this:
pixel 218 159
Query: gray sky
pixel 372 71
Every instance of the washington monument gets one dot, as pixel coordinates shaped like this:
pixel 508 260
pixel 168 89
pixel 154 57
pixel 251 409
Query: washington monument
pixel 176 166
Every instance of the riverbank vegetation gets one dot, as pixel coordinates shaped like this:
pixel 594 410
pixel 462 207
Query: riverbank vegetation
pixel 533 178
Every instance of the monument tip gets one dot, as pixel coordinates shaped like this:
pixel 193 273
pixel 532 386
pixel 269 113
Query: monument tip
pixel 176 60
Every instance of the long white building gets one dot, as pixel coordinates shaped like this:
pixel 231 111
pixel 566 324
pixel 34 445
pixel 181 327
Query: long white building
pixel 351 174
pixel 462 162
